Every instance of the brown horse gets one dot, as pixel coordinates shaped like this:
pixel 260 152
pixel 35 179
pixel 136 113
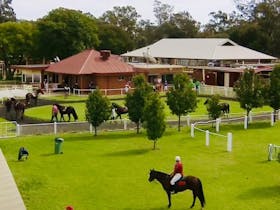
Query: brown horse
pixel 18 106
pixel 29 97
pixel 189 182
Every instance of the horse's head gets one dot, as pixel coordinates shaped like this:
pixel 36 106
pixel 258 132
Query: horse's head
pixel 39 91
pixel 152 175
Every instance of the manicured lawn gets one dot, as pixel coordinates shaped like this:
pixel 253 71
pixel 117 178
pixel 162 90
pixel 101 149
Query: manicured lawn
pixel 110 171
pixel 44 112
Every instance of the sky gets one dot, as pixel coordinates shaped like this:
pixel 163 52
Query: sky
pixel 199 9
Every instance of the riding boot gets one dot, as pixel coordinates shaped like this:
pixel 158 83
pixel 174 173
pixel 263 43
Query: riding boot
pixel 172 189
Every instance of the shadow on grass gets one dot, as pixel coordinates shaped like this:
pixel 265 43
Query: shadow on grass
pixel 260 192
pixel 48 154
pixel 133 152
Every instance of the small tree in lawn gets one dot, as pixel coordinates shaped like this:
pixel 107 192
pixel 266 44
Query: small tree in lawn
pixel 135 101
pixel 250 91
pixel 97 109
pixel 154 118
pixel 274 90
pixel 213 107
pixel 181 99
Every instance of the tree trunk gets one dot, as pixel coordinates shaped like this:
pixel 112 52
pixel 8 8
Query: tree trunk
pixel 179 123
pixel 137 127
pixel 274 115
pixel 95 130
pixel 154 144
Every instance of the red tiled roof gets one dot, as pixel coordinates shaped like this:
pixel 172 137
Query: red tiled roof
pixel 90 62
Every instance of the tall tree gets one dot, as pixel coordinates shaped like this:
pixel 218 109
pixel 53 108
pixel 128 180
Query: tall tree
pixel 274 90
pixel 16 44
pixel 154 117
pixel 250 91
pixel 162 12
pixel 6 11
pixel 97 109
pixel 64 32
pixel 181 99
pixel 213 107
pixel 123 17
pixel 136 101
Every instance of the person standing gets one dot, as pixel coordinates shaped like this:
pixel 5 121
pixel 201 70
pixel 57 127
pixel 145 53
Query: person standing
pixel 54 113
pixel 177 173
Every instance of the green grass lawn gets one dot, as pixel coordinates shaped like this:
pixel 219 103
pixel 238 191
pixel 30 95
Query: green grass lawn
pixel 44 112
pixel 110 171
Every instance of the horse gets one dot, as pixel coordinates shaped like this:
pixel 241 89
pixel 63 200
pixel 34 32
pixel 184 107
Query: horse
pixel 9 104
pixel 186 183
pixel 18 106
pixel 67 110
pixel 225 108
pixel 120 110
pixel 30 96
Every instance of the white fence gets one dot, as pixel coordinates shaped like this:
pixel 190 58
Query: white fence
pixel 8 129
pixel 212 90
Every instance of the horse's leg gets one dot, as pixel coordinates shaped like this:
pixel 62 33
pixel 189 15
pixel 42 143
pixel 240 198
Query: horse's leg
pixel 69 117
pixel 169 198
pixel 194 198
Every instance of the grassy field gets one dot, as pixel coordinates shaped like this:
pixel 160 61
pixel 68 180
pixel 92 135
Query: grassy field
pixel 44 112
pixel 110 171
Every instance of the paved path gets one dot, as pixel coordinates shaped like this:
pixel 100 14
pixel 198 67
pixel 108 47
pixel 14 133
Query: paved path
pixel 10 198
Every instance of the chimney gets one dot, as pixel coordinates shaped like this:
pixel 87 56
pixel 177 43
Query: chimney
pixel 105 54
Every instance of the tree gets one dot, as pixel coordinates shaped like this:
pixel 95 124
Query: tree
pixel 97 109
pixel 250 91
pixel 181 99
pixel 162 12
pixel 154 117
pixel 274 90
pixel 64 32
pixel 6 11
pixel 122 17
pixel 135 101
pixel 16 44
pixel 213 107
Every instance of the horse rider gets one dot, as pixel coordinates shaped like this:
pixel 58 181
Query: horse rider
pixel 177 173
pixel 54 112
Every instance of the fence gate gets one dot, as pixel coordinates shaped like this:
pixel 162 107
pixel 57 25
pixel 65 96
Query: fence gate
pixel 7 129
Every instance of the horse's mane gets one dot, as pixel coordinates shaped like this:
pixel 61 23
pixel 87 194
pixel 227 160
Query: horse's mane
pixel 161 173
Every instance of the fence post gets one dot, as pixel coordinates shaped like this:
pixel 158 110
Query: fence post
pixel 207 139
pixel 229 142
pixel 125 124
pixel 90 127
pixel 278 113
pixel 188 120
pixel 218 120
pixel 192 130
pixel 245 122
pixel 55 127
pixel 272 119
pixel 270 152
pixel 18 129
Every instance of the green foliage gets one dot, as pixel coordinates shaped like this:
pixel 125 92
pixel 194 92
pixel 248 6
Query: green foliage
pixel 64 32
pixel 181 99
pixel 98 109
pixel 213 107
pixel 250 91
pixel 6 11
pixel 274 89
pixel 154 117
pixel 136 101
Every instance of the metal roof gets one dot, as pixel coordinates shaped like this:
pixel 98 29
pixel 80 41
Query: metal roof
pixel 199 48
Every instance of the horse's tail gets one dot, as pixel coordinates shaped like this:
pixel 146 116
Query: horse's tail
pixel 201 194
pixel 228 108
pixel 75 114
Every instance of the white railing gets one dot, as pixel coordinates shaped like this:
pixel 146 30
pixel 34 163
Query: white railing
pixel 212 90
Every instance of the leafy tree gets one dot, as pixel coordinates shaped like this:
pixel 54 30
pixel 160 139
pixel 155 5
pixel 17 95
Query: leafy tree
pixel 274 89
pixel 97 109
pixel 114 38
pixel 64 32
pixel 6 11
pixel 154 117
pixel 135 101
pixel 181 99
pixel 213 107
pixel 162 12
pixel 250 91
pixel 16 44
pixel 123 17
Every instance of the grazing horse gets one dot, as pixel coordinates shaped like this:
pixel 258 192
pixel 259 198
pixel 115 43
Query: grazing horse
pixel 120 110
pixel 30 96
pixel 189 182
pixel 67 110
pixel 19 109
pixel 9 104
pixel 223 106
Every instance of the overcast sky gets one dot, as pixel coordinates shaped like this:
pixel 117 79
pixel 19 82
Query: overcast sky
pixel 199 9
